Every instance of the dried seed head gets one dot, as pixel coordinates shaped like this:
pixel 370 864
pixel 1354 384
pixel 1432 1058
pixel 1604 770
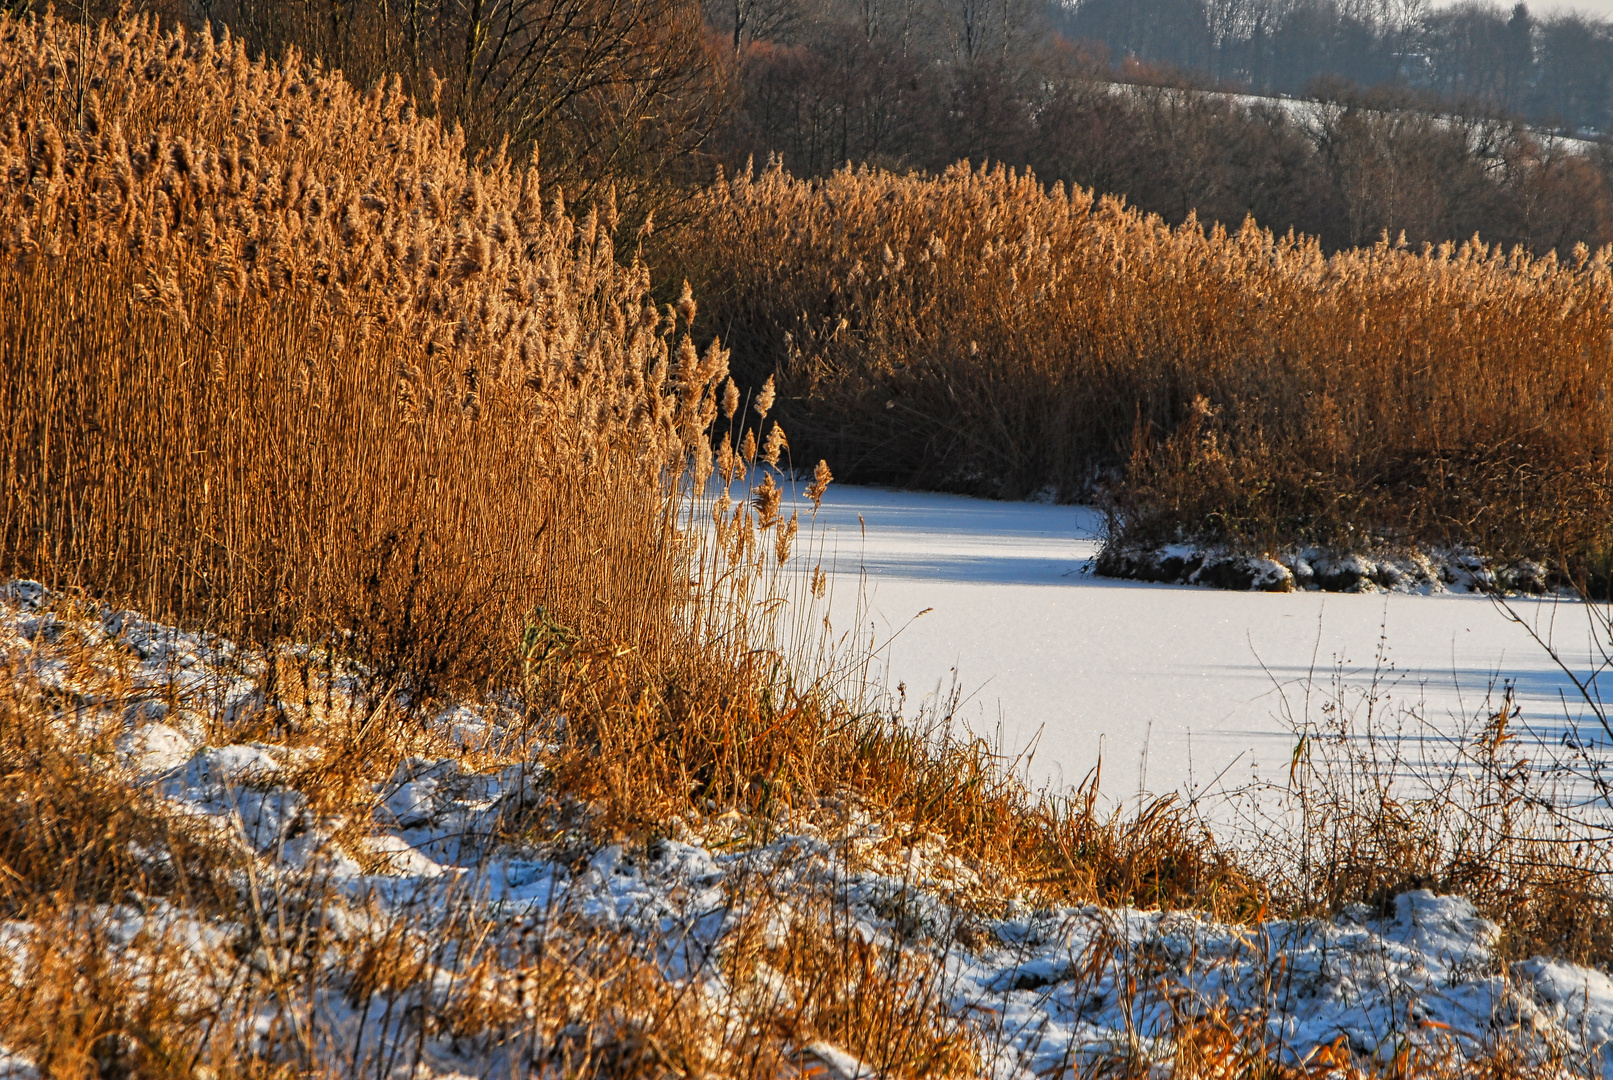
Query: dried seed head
pixel 714 364
pixel 764 401
pixel 727 462
pixel 820 483
pixel 748 450
pixel 686 305
pixel 766 501
pixel 785 537
pixel 730 399
pixel 720 518
pixel 702 463
pixel 773 445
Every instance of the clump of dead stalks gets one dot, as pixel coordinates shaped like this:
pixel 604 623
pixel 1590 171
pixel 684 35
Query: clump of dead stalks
pixel 982 332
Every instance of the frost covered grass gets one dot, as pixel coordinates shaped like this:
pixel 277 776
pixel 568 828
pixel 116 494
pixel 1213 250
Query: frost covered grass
pixel 204 875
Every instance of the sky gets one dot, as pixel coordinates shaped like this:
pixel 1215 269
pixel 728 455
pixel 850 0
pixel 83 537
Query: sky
pixel 1601 9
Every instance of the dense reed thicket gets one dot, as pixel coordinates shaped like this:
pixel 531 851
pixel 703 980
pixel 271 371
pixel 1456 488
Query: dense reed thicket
pixel 333 383
pixel 977 331
pixel 278 359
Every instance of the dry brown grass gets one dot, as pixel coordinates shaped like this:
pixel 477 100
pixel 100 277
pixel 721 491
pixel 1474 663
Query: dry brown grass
pixel 276 361
pixel 125 981
pixel 978 331
pixel 140 938
pixel 1380 799
pixel 647 747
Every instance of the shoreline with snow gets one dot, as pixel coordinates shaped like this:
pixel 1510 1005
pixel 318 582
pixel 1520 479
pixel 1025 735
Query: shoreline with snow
pixel 1038 989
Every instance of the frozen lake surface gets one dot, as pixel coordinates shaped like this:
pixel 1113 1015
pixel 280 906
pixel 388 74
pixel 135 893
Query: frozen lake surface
pixel 1176 687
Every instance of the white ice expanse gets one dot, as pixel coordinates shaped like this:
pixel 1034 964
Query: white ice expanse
pixel 1173 686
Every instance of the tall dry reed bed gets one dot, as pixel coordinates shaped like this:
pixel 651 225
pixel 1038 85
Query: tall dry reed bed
pixel 978 331
pixel 277 361
pixel 275 349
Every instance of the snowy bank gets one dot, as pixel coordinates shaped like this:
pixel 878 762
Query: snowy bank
pixel 1035 989
pixel 1425 572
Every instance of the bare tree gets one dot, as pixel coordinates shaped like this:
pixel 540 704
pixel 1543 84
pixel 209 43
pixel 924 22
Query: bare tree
pixel 745 21
pixel 603 92
pixel 978 30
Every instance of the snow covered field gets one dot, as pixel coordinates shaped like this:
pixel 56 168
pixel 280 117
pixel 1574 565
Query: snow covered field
pixel 1175 687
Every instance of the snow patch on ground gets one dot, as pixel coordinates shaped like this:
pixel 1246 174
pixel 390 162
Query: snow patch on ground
pixel 1044 989
pixel 16 1066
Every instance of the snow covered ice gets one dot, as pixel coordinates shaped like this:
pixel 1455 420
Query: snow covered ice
pixel 1177 688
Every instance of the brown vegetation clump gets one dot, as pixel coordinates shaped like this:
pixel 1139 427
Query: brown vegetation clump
pixel 329 382
pixel 278 358
pixel 978 331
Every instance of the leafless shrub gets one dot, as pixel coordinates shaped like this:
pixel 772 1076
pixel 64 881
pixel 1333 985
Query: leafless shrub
pixel 1380 798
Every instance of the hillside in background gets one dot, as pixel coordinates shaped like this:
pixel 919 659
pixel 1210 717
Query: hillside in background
pixel 1425 121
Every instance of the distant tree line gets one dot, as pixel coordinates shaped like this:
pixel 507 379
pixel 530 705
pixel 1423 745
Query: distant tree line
pixel 1152 99
pixel 1416 122
pixel 1556 71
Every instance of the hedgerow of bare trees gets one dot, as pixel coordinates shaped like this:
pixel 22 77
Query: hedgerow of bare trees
pixel 1436 145
pixel 621 93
